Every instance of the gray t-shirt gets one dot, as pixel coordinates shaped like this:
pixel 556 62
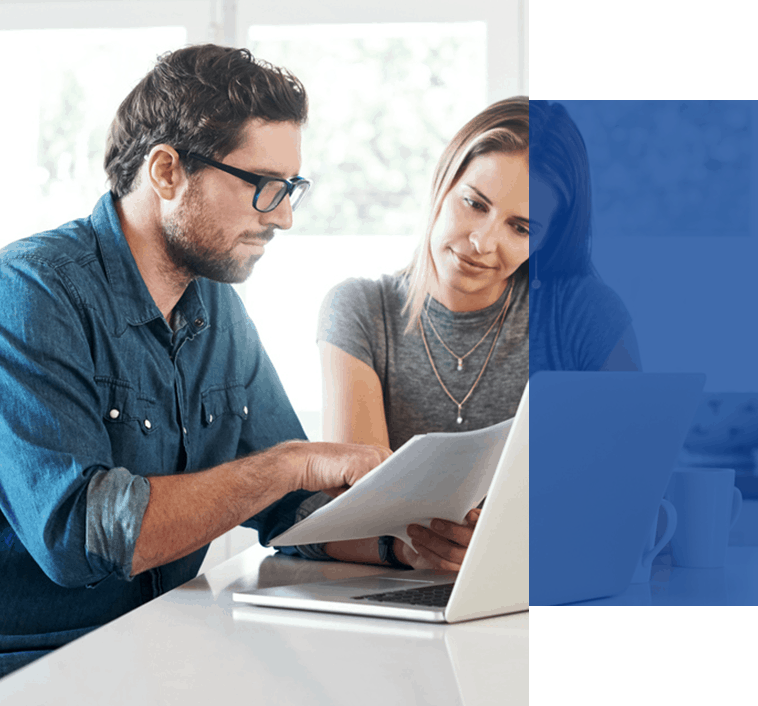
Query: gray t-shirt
pixel 363 318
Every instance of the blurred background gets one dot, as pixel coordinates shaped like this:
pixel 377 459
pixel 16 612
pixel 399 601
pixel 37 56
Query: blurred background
pixel 674 187
pixel 389 84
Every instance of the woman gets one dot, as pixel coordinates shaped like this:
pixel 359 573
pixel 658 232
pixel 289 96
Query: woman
pixel 444 345
pixel 576 321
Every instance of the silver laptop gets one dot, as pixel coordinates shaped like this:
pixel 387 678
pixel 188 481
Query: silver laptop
pixel 494 577
pixel 604 447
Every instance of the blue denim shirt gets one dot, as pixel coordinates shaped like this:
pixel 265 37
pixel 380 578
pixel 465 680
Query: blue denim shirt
pixel 98 392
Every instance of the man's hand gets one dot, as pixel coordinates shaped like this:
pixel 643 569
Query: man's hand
pixel 441 547
pixel 332 468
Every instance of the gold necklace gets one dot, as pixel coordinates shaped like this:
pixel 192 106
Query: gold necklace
pixel 501 318
pixel 461 358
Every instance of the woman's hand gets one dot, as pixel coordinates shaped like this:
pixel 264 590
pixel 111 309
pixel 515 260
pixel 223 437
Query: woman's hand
pixel 441 547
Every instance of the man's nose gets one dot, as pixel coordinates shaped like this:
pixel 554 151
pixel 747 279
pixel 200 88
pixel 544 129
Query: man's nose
pixel 280 217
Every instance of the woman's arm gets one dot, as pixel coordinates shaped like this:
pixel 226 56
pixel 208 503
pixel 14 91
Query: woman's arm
pixel 352 402
pixel 353 412
pixel 352 408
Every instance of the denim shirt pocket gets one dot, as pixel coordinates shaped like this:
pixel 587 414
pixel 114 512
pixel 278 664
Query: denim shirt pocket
pixel 219 401
pixel 122 404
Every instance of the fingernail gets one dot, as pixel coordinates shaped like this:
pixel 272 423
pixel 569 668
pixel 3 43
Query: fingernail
pixel 438 525
pixel 413 531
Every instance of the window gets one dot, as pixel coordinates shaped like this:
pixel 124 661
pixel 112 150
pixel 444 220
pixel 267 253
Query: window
pixel 685 165
pixel 389 85
pixel 62 104
pixel 384 101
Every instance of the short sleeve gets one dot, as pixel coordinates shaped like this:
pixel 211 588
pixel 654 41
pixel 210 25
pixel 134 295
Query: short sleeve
pixel 352 319
pixel 593 321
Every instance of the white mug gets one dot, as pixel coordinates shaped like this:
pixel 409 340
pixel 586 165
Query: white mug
pixel 707 506
pixel 653 548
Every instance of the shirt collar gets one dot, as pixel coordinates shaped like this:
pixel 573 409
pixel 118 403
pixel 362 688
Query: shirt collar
pixel 136 304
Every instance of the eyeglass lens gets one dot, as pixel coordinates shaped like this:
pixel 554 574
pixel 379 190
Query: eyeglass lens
pixel 272 193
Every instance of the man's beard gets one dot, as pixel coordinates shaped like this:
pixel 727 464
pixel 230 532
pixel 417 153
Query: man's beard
pixel 190 249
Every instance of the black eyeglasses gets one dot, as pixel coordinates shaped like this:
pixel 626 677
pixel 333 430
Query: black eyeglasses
pixel 269 191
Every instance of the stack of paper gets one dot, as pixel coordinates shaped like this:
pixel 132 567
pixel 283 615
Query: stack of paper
pixel 433 475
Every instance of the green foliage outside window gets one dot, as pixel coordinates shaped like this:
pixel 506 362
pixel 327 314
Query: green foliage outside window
pixel 382 109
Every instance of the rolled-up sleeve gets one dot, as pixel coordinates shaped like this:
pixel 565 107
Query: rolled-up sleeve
pixel 286 512
pixel 116 504
pixel 307 507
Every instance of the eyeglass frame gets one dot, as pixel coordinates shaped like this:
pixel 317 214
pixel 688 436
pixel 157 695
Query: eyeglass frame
pixel 257 180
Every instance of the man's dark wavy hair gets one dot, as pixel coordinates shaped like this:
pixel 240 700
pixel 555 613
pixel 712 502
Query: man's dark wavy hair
pixel 198 98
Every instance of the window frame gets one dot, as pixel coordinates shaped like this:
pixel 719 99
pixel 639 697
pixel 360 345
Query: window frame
pixel 507 56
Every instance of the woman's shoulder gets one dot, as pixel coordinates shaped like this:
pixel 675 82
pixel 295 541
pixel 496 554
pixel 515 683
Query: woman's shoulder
pixel 594 313
pixel 369 296
pixel 359 314
pixel 577 323
pixel 362 308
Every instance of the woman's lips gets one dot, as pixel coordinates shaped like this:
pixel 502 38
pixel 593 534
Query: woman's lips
pixel 469 265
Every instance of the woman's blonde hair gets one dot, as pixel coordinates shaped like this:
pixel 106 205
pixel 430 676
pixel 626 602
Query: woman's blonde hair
pixel 503 127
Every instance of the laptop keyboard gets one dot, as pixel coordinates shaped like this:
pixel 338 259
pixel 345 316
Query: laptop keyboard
pixel 432 596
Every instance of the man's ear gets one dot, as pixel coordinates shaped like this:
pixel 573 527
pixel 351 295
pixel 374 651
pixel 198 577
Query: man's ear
pixel 165 172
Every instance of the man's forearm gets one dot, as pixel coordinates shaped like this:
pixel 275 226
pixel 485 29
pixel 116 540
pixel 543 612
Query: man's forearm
pixel 186 512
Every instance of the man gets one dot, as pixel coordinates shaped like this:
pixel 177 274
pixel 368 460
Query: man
pixel 141 416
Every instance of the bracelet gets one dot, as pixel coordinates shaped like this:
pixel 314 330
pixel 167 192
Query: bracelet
pixel 387 553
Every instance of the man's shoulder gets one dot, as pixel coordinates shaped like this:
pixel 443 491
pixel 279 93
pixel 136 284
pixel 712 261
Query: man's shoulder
pixel 70 243
pixel 59 266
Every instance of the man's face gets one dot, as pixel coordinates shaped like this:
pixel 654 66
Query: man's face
pixel 215 232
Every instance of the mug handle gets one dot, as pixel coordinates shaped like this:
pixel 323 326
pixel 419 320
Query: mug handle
pixel 736 506
pixel 670 512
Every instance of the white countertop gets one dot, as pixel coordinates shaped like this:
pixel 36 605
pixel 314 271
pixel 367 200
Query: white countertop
pixel 194 645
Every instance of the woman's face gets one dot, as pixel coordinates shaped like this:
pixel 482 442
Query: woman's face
pixel 481 236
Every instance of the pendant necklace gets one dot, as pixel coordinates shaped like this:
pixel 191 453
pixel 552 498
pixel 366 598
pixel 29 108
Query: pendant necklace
pixel 501 318
pixel 461 358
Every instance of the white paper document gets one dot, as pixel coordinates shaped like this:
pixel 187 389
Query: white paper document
pixel 432 475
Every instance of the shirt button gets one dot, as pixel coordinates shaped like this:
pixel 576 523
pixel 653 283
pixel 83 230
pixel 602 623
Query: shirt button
pixel 148 425
pixel 210 419
pixel 113 414
pixel 199 321
pixel 244 410
pixel 184 429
